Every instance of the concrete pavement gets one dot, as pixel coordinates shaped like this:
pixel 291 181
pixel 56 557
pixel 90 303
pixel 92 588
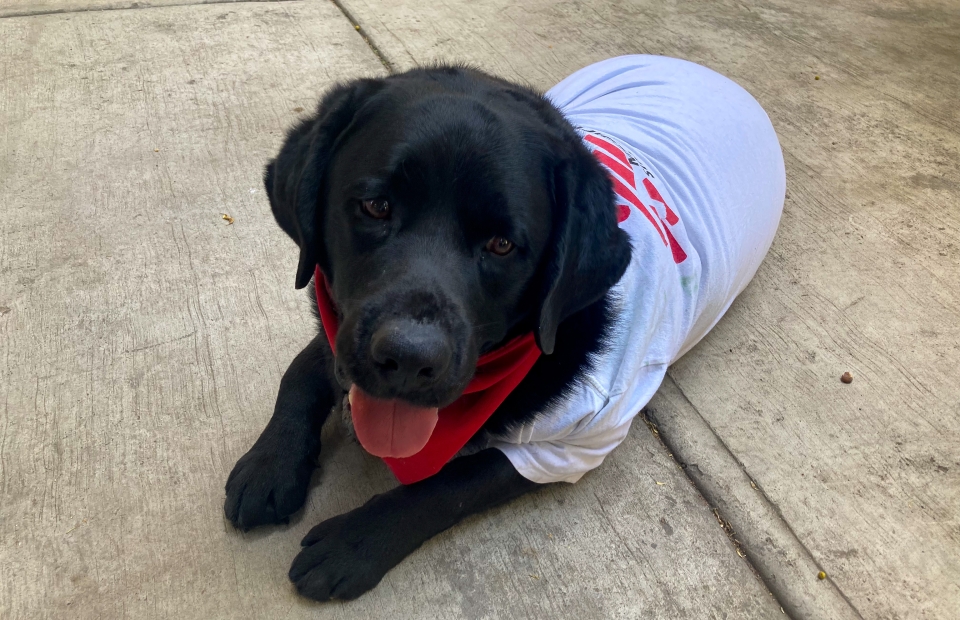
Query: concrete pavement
pixel 142 338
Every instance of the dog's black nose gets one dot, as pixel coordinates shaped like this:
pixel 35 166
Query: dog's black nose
pixel 410 354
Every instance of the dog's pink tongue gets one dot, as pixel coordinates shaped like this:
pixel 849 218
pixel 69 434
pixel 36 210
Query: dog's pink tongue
pixel 390 428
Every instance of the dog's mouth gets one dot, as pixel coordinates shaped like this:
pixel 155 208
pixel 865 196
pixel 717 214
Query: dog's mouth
pixel 390 428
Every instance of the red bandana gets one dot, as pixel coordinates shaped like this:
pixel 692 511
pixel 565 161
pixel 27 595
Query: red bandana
pixel 498 373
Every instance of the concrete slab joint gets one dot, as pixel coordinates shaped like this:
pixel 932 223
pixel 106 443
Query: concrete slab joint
pixel 753 522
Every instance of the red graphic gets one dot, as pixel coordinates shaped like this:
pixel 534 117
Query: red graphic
pixel 618 165
pixel 630 197
pixel 672 218
pixel 613 149
pixel 678 254
pixel 625 172
pixel 621 165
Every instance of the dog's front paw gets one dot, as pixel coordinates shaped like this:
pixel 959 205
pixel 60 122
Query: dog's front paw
pixel 343 557
pixel 266 486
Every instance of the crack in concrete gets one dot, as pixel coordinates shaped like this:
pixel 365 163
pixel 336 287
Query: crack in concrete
pixel 381 56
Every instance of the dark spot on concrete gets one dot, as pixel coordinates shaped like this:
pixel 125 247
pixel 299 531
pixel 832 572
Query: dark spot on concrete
pixel 932 181
pixel 4 310
pixel 667 528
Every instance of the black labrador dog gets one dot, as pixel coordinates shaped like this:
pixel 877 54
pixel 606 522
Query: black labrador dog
pixel 449 211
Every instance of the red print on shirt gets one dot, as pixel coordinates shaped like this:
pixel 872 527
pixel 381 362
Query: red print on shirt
pixel 620 171
pixel 671 220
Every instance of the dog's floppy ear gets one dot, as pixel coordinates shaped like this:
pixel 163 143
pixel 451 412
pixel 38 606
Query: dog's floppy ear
pixel 588 253
pixel 295 180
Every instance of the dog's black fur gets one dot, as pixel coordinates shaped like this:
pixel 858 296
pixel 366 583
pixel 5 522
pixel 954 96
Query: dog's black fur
pixel 460 158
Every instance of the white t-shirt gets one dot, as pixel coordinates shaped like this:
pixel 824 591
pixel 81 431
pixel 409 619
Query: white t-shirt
pixel 700 181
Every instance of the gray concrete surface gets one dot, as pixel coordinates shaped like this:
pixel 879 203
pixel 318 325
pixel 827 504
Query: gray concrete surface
pixel 26 8
pixel 864 275
pixel 758 528
pixel 143 338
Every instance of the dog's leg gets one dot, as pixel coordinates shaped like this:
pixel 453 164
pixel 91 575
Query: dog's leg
pixel 345 556
pixel 269 483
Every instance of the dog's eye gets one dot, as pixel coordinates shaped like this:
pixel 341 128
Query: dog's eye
pixel 378 209
pixel 501 246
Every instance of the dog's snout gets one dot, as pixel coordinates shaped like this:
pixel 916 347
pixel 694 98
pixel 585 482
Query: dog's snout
pixel 410 354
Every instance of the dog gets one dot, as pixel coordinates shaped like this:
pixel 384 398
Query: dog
pixel 502 280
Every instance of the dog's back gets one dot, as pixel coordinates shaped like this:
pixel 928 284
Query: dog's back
pixel 713 151
pixel 699 183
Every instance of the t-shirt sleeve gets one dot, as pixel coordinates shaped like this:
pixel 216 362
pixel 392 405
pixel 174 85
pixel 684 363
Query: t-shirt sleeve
pixel 563 444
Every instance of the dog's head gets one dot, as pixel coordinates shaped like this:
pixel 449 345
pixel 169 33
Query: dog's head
pixel 448 210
